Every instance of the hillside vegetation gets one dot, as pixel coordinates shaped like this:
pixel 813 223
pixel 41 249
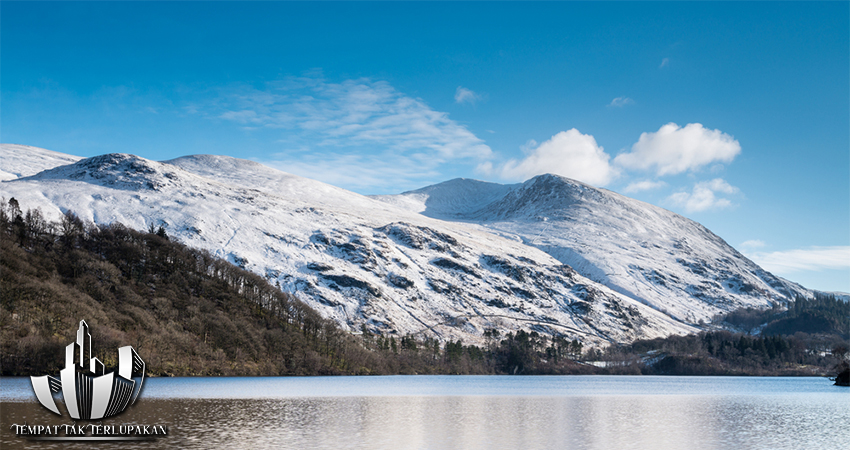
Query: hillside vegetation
pixel 185 312
pixel 189 313
pixel 822 314
pixel 809 337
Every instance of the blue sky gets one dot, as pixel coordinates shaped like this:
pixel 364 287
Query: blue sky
pixel 736 115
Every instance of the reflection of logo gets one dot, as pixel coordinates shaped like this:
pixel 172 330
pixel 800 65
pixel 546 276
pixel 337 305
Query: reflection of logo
pixel 89 393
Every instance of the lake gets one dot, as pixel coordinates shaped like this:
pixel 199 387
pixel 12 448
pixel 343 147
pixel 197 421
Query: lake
pixel 469 412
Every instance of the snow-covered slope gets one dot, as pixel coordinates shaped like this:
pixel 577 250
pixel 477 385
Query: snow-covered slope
pixel 450 199
pixel 355 259
pixel 646 253
pixel 18 161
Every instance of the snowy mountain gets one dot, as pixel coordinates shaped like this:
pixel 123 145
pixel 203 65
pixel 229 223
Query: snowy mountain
pixel 649 254
pixel 448 261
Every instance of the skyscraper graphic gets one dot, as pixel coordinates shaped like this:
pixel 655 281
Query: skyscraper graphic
pixel 89 393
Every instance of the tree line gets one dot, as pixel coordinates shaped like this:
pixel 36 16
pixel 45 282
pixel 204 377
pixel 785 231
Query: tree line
pixel 823 313
pixel 809 337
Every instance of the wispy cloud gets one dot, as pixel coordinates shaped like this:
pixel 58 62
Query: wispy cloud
pixel 568 153
pixel 703 196
pixel 645 185
pixel 355 111
pixel 357 124
pixel 805 259
pixel 673 149
pixel 619 102
pixel 664 63
pixel 464 95
pixel 753 243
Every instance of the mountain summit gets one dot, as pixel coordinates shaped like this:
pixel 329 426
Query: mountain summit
pixel 652 255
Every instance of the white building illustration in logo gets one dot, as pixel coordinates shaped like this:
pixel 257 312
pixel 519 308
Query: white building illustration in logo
pixel 89 393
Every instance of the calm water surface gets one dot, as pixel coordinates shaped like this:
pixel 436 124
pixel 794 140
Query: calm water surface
pixel 469 412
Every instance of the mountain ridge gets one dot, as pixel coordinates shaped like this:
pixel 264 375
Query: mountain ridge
pixel 632 247
pixel 377 262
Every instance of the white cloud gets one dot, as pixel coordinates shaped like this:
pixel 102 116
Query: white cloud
pixel 645 185
pixel 753 243
pixel 805 259
pixel 464 95
pixel 673 149
pixel 703 197
pixel 568 153
pixel 357 124
pixel 720 185
pixel 664 63
pixel 529 146
pixel 619 102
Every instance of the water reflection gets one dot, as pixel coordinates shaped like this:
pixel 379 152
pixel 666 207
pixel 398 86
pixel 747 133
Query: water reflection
pixel 790 420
